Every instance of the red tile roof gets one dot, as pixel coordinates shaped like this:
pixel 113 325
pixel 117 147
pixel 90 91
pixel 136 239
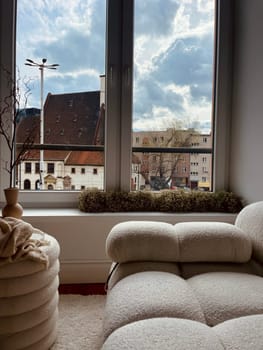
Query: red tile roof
pixel 85 158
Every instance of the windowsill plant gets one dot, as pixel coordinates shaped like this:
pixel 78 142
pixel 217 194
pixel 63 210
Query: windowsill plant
pixel 93 201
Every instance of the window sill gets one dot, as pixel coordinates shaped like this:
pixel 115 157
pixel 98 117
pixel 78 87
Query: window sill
pixel 175 217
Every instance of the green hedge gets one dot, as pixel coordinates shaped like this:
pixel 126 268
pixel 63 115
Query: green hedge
pixel 95 201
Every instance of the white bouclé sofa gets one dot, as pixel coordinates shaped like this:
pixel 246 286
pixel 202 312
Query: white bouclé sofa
pixel 193 285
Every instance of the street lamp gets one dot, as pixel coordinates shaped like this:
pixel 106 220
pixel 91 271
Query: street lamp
pixel 41 66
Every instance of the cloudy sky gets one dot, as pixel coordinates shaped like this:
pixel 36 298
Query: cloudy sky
pixel 173 55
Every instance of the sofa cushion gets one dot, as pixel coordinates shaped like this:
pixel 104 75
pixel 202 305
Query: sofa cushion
pixel 250 220
pixel 142 240
pixel 227 295
pixel 126 269
pixel 163 334
pixel 149 294
pixel 212 241
pixel 241 333
pixel 184 242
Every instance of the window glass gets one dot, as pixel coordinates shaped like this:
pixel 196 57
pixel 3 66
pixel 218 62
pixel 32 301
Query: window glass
pixel 173 88
pixel 60 58
pixel 172 92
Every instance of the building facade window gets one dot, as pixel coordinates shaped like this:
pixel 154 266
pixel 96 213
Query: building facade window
pixel 50 168
pixel 28 168
pixel 37 168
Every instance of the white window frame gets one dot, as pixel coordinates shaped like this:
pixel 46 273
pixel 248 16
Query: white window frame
pixel 119 82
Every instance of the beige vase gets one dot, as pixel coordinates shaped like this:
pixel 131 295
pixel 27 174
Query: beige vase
pixel 12 207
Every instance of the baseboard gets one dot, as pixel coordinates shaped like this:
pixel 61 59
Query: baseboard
pixel 83 289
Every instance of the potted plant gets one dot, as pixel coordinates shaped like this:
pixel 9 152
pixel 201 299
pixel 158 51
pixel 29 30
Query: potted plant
pixel 10 118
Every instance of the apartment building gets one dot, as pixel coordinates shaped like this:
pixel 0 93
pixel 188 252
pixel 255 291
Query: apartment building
pixel 175 170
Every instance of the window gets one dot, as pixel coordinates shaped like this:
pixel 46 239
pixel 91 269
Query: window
pixel 117 152
pixel 73 170
pixel 50 168
pixel 37 168
pixel 95 171
pixel 28 168
pixel 83 170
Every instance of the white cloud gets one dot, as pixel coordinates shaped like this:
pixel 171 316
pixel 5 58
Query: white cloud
pixel 66 32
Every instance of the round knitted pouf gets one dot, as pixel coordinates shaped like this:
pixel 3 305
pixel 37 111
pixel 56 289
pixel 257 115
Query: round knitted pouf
pixel 29 301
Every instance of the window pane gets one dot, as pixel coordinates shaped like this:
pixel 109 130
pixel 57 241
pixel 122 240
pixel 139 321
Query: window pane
pixel 173 87
pixel 71 36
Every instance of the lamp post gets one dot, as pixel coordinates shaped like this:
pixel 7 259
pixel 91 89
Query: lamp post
pixel 41 66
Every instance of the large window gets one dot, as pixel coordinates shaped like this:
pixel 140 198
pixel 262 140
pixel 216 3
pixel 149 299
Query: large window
pixel 155 91
pixel 172 95
pixel 60 57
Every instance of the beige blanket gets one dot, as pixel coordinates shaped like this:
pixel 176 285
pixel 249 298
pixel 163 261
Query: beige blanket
pixel 17 244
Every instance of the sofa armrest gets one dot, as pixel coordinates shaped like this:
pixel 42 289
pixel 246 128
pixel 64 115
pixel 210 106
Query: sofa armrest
pixel 183 242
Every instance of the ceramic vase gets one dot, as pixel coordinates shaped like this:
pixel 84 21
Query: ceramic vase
pixel 12 207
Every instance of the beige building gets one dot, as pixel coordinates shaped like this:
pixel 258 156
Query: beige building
pixel 172 170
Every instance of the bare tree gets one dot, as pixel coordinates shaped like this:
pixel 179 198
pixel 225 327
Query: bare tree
pixel 11 107
pixel 159 169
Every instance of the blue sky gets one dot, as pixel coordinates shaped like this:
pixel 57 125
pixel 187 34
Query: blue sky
pixel 173 55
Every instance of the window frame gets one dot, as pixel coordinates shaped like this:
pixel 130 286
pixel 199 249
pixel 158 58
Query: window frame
pixel 119 73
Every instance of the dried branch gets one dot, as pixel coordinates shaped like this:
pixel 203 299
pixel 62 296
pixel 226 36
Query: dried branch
pixel 10 117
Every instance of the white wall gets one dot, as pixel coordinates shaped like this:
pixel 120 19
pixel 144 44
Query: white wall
pixel 246 163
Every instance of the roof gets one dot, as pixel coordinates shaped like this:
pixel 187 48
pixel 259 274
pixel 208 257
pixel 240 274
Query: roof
pixel 85 158
pixel 71 118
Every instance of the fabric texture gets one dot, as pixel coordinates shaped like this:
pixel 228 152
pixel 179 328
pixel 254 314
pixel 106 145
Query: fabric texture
pixel 227 295
pixel 28 267
pixel 163 334
pixel 189 270
pixel 10 287
pixel 183 242
pixel 16 243
pixel 39 337
pixel 241 333
pixel 142 240
pixel 129 268
pixel 28 290
pixel 250 220
pixel 17 323
pixel 212 241
pixel 150 294
pixel 23 303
